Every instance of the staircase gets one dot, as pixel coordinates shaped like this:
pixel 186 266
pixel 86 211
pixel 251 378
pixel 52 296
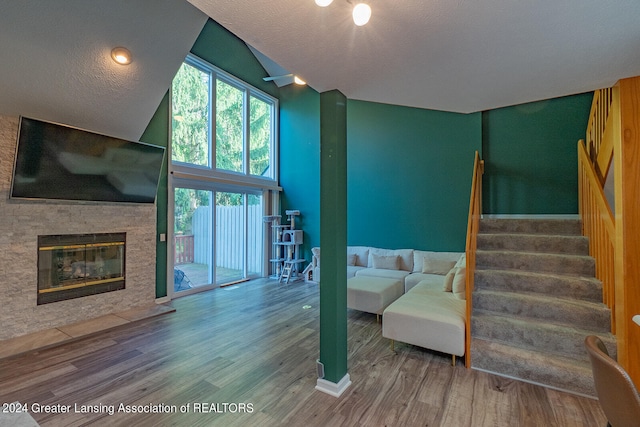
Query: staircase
pixel 535 301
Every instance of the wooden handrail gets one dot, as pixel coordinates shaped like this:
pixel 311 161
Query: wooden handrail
pixel 599 143
pixel 473 225
pixel 600 108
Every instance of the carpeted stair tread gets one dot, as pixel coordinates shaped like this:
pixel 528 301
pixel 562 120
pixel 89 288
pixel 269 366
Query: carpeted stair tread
pixel 532 366
pixel 582 288
pixel 535 300
pixel 563 340
pixel 556 244
pixel 577 265
pixel 565 311
pixel 531 226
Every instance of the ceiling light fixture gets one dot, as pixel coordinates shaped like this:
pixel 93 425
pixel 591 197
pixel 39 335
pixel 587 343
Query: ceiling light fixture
pixel 361 14
pixel 361 11
pixel 297 80
pixel 121 55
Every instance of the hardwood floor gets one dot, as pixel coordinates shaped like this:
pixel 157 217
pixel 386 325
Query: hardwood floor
pixel 253 347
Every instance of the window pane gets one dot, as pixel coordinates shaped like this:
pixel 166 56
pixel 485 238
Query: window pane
pixel 260 138
pixel 192 238
pixel 190 121
pixel 229 127
pixel 230 232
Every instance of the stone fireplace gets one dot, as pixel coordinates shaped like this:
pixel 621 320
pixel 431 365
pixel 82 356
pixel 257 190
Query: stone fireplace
pixel 77 265
pixel 24 221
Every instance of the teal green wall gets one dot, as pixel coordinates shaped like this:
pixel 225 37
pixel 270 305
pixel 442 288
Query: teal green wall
pixel 409 171
pixel 409 176
pixel 300 160
pixel 157 133
pixel 218 46
pixel 530 154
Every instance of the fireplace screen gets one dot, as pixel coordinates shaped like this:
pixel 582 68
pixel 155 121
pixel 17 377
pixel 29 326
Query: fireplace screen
pixel 76 265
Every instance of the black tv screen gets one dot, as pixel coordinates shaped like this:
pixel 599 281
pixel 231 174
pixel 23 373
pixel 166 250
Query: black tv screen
pixel 60 162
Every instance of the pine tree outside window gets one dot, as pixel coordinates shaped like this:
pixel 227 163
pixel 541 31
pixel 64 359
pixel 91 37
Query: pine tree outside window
pixel 221 124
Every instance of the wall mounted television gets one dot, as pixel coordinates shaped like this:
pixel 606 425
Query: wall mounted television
pixel 59 162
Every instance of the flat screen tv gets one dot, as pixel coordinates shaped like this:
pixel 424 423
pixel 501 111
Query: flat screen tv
pixel 58 162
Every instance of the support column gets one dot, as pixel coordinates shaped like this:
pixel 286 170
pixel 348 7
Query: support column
pixel 333 377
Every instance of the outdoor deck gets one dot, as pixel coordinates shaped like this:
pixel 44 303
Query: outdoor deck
pixel 197 275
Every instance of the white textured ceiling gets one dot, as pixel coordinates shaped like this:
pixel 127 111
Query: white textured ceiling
pixel 453 55
pixel 55 59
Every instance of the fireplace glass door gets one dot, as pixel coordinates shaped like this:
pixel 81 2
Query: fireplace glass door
pixel 72 266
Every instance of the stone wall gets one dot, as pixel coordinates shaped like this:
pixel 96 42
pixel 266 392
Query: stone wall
pixel 20 224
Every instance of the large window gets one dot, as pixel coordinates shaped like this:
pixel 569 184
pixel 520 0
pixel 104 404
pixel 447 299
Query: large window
pixel 223 169
pixel 221 124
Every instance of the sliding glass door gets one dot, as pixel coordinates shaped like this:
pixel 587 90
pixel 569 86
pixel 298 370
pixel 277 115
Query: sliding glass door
pixel 230 237
pixel 193 247
pixel 218 238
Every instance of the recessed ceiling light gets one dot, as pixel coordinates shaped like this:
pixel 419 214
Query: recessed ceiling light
pixel 121 55
pixel 297 80
pixel 323 3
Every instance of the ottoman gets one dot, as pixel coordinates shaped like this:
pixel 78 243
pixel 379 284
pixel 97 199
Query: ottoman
pixel 372 294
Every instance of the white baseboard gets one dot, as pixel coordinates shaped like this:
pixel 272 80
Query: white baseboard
pixel 531 216
pixel 333 389
pixel 163 300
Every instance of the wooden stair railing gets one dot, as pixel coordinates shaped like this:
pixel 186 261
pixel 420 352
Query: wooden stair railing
pixel 600 132
pixel 473 225
pixel 598 226
pixel 613 138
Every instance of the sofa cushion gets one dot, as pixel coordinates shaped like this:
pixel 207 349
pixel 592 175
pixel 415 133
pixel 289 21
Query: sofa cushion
pixel 419 256
pixel 361 253
pixel 382 272
pixel 429 287
pixel 414 278
pixel 458 286
pixel 448 280
pixel 436 266
pixel 406 257
pixel 388 262
pixel 351 259
pixel 353 269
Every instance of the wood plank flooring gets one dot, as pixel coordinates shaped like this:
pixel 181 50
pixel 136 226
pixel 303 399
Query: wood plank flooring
pixel 245 356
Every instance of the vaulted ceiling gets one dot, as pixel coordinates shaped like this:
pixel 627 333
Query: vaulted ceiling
pixel 55 60
pixel 453 55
